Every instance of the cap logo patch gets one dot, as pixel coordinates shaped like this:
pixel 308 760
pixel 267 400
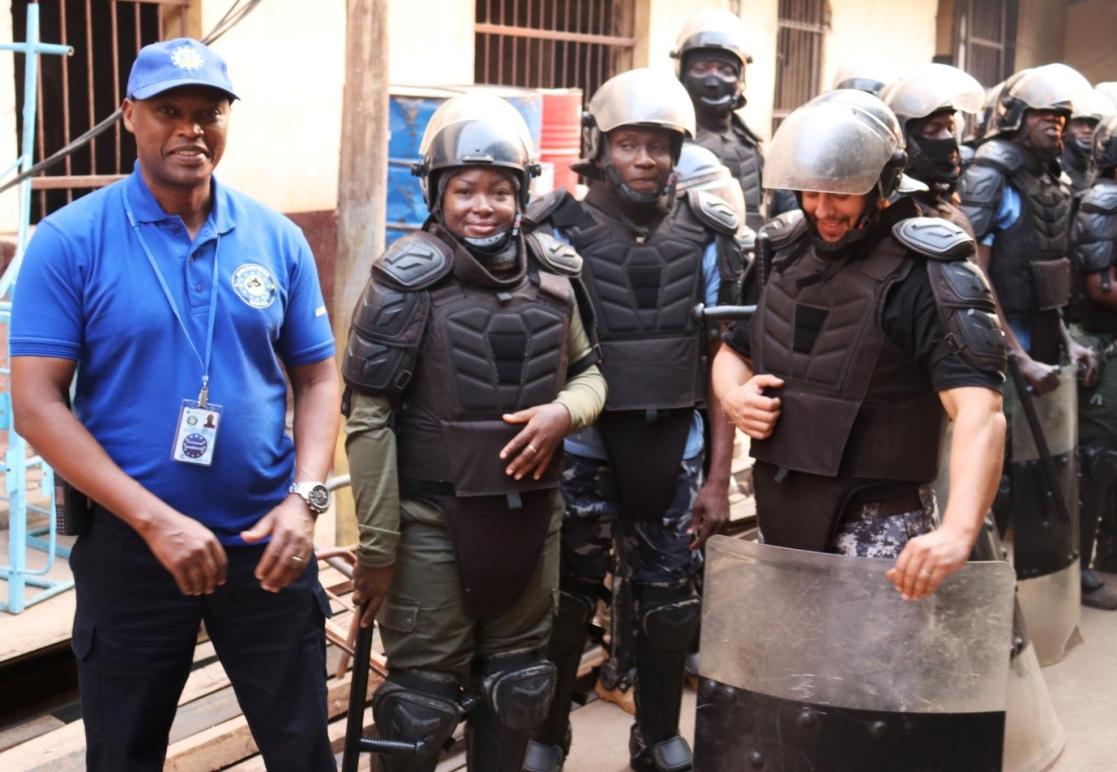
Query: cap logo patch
pixel 255 285
pixel 186 58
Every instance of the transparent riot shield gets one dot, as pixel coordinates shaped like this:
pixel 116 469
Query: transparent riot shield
pixel 812 661
pixel 1045 539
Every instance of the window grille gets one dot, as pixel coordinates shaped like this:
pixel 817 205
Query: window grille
pixel 802 26
pixel 553 43
pixel 79 91
pixel 985 38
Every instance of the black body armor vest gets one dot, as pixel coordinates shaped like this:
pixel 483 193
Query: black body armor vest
pixel 856 410
pixel 1029 270
pixel 492 346
pixel 643 291
pixel 739 149
pixel 1094 250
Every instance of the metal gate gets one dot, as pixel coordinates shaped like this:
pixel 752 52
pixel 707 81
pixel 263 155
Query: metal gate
pixel 985 34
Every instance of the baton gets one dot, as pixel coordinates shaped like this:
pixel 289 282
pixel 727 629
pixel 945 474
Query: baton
pixel 712 314
pixel 1046 464
pixel 355 742
pixel 763 258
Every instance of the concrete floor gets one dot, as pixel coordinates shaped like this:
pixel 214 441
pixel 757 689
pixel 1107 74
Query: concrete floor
pixel 1083 689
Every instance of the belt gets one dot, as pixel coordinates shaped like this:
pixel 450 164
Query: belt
pixel 895 503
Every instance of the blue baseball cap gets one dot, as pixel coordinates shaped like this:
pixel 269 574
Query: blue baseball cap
pixel 174 63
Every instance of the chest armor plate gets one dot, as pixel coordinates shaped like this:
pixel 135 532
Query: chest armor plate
pixel 644 293
pixel 490 347
pixel 853 404
pixel 744 162
pixel 1030 270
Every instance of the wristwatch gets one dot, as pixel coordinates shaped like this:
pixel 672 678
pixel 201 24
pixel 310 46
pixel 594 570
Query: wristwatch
pixel 315 494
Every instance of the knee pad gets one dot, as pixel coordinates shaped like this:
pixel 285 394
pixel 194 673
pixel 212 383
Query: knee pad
pixel 414 707
pixel 518 689
pixel 668 615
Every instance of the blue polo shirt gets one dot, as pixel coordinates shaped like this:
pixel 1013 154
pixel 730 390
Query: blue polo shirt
pixel 87 292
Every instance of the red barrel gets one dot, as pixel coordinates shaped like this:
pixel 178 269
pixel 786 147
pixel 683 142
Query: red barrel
pixel 561 138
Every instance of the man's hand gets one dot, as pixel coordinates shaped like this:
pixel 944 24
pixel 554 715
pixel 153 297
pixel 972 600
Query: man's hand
pixel 749 410
pixel 1043 378
pixel 291 548
pixel 928 559
pixel 711 511
pixel 531 450
pixel 1085 360
pixel 190 553
pixel 370 586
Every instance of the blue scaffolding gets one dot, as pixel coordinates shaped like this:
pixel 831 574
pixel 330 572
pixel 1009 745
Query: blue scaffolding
pixel 17 463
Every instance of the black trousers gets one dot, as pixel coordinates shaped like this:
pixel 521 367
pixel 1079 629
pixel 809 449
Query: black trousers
pixel 134 636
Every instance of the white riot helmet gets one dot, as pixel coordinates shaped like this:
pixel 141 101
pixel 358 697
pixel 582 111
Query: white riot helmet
pixel 643 98
pixel 699 169
pixel 1050 87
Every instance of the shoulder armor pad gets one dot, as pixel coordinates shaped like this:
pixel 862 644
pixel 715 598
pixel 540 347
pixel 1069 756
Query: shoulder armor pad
pixel 415 261
pixel 788 227
pixel 554 254
pixel 1001 154
pixel 980 191
pixel 1100 198
pixel 968 313
pixel 713 212
pixel 383 346
pixel 746 237
pixel 540 209
pixel 934 237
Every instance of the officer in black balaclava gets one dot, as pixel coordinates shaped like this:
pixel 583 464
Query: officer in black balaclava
pixel 711 60
pixel 926 104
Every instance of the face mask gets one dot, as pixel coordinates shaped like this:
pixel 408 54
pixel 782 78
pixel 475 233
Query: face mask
pixel 712 93
pixel 934 160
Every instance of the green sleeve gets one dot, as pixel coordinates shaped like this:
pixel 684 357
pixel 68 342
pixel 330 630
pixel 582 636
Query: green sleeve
pixel 584 394
pixel 371 447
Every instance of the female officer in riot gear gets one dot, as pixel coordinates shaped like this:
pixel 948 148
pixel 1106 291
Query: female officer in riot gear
pixel 467 364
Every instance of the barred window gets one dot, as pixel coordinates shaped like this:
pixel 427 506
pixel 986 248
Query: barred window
pixel 984 40
pixel 802 25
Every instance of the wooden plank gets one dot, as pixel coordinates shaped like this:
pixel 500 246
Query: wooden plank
pixel 231 741
pixel 62 750
pixel 20 733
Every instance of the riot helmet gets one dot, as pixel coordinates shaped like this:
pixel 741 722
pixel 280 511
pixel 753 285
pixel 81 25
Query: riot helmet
pixel 699 169
pixel 844 142
pixel 1087 113
pixel 868 76
pixel 718 34
pixel 642 98
pixel 1103 151
pixel 1049 87
pixel 475 130
pixel 934 91
pixel 1108 89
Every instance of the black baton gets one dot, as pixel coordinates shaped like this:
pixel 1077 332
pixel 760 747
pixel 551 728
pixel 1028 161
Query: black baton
pixel 712 314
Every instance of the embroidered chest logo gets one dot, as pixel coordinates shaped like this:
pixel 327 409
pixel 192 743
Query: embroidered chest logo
pixel 186 58
pixel 255 285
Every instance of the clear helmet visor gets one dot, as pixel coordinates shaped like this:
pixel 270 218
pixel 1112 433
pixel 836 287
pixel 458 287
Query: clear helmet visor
pixel 1052 86
pixel 932 88
pixel 867 75
pixel 476 128
pixel 829 147
pixel 643 97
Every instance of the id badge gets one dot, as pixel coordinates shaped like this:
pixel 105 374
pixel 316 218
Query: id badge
pixel 196 436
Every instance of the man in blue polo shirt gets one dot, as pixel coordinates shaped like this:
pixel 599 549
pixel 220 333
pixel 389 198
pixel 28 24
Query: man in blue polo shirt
pixel 184 307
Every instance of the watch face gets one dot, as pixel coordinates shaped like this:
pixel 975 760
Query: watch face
pixel 318 497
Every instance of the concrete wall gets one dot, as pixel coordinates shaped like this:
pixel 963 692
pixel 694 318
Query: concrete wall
pixel 1091 39
pixel 288 68
pixel 899 34
pixel 1041 30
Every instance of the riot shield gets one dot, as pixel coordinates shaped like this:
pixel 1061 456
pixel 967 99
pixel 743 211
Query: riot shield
pixel 812 661
pixel 1045 539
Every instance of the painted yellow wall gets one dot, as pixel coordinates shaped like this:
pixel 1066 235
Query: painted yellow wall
pixel 1091 39
pixel 287 65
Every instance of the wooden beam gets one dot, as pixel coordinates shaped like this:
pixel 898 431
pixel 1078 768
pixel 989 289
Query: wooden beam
pixel 362 189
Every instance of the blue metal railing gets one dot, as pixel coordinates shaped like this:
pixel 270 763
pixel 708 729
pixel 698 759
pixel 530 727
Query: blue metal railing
pixel 17 464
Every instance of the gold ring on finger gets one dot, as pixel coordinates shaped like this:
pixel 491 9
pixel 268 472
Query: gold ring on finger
pixel 298 559
pixel 534 450
pixel 926 573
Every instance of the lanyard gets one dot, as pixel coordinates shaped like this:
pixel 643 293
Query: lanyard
pixel 203 394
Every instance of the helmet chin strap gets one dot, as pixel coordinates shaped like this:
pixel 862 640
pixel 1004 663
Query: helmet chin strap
pixel 639 198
